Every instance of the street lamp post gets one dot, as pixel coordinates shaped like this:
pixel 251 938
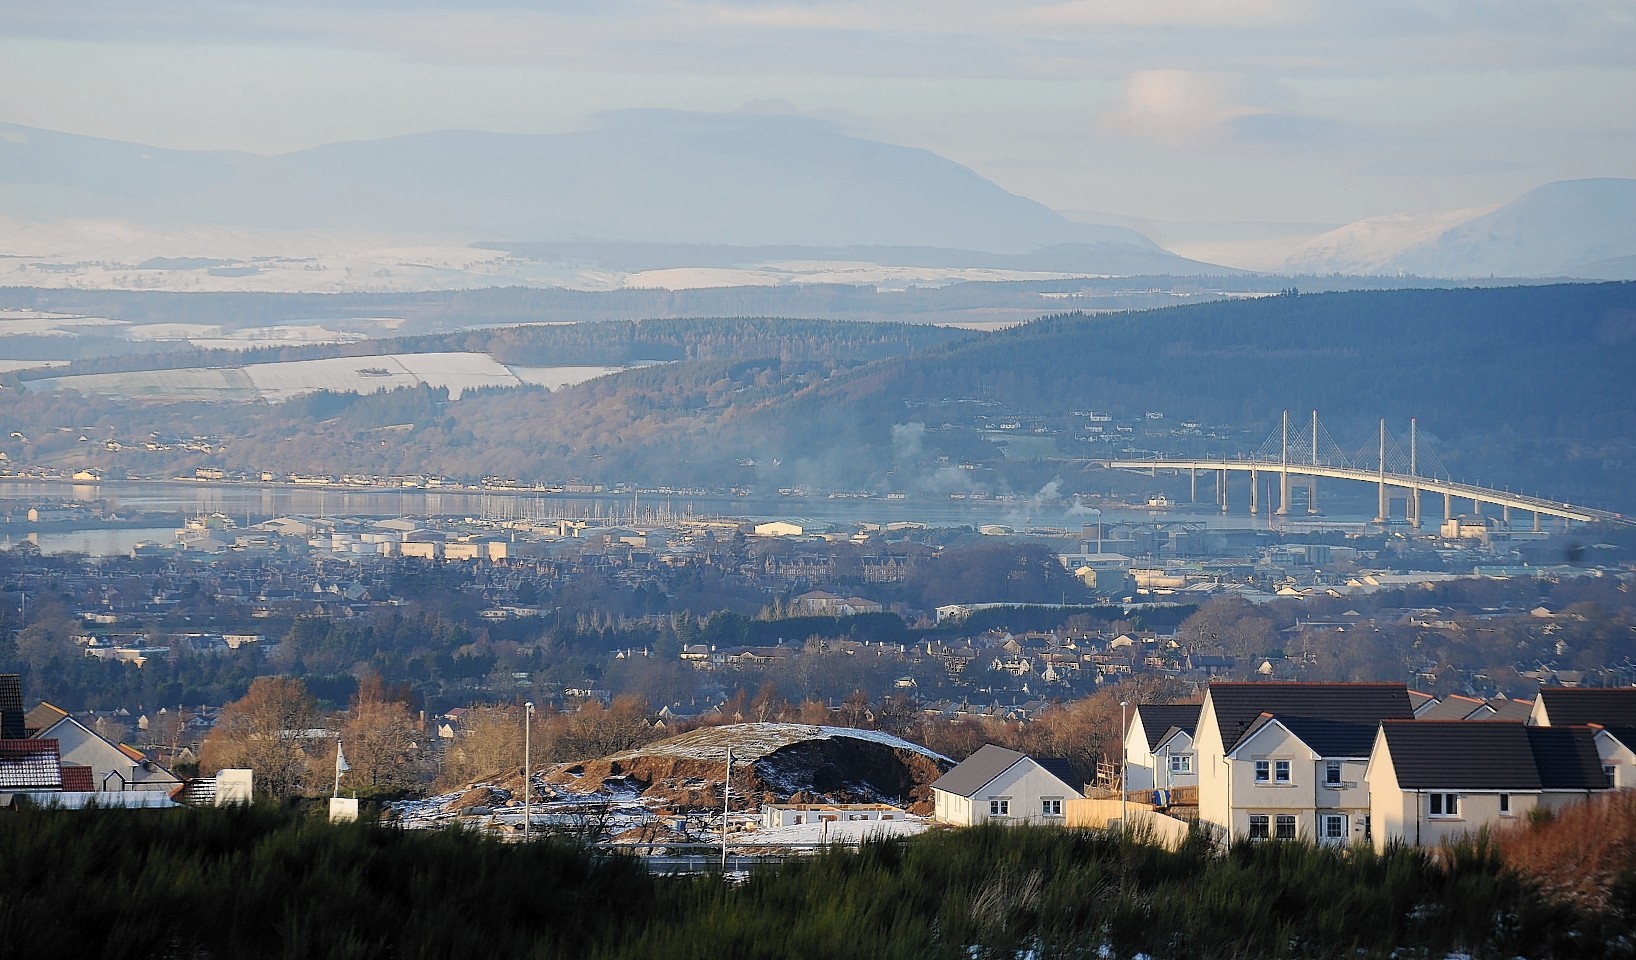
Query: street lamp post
pixel 726 801
pixel 528 764
pixel 1124 767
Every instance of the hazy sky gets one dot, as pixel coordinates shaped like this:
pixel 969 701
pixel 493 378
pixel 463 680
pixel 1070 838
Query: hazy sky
pixel 1305 110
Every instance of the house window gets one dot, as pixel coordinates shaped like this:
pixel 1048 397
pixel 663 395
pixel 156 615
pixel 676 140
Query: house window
pixel 999 808
pixel 1280 771
pixel 1263 771
pixel 1286 826
pixel 1259 826
pixel 1051 808
pixel 1332 773
pixel 1505 804
pixel 1181 763
pixel 1443 805
pixel 1334 826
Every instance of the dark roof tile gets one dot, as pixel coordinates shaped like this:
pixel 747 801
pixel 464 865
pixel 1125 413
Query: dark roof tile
pixel 1158 718
pixel 1459 755
pixel 1567 758
pixel 11 707
pixel 980 768
pixel 1572 706
pixel 1334 719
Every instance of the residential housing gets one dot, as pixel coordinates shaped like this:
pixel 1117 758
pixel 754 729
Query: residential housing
pixel 1434 780
pixel 1609 711
pixel 996 785
pixel 114 767
pixel 1159 750
pixel 1288 760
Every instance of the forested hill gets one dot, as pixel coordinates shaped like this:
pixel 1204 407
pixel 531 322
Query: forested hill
pixel 595 343
pixel 1529 386
pixel 1526 387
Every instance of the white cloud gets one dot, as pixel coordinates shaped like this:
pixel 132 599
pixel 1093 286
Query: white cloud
pixel 1180 108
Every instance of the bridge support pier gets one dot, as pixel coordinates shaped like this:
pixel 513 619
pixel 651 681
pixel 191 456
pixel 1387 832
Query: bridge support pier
pixel 1312 495
pixel 1254 482
pixel 1221 484
pixel 1448 506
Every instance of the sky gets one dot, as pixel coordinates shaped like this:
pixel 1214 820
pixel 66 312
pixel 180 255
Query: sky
pixel 1305 111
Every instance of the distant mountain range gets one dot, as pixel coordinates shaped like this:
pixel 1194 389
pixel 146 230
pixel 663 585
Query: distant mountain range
pixel 1582 229
pixel 654 198
pixel 653 177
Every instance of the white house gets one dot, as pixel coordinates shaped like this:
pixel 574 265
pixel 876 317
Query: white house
pixel 1434 780
pixel 1611 710
pixel 1287 760
pixel 1573 706
pixel 1003 786
pixel 1159 746
pixel 114 767
pixel 1616 748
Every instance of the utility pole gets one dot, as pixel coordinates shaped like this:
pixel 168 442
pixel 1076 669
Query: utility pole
pixel 528 763
pixel 726 799
pixel 1124 770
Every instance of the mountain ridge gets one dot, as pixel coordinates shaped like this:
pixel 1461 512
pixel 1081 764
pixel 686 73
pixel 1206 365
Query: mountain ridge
pixel 641 176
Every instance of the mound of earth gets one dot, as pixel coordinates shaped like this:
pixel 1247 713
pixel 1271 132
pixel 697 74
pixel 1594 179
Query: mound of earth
pixel 772 762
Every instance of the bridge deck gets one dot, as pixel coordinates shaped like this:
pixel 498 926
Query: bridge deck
pixel 1465 491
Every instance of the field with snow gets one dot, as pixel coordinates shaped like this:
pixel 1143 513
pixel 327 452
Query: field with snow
pixel 119 255
pixel 276 382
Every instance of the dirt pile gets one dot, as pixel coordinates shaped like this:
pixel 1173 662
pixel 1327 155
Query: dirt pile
pixel 771 763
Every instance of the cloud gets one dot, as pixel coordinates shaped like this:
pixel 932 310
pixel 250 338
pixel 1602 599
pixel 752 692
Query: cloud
pixel 1180 108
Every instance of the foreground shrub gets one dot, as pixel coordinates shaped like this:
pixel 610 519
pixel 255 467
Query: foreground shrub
pixel 270 882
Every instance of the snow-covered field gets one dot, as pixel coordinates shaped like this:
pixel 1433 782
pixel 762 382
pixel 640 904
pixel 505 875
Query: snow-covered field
pixel 275 382
pixel 119 255
pixel 19 323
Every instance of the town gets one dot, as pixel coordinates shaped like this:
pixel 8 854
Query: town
pixel 945 638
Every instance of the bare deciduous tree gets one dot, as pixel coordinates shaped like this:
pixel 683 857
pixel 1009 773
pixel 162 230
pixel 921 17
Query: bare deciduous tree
pixel 266 731
pixel 488 743
pixel 382 742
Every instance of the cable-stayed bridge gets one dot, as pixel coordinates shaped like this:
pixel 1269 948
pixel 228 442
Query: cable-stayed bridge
pixel 1299 453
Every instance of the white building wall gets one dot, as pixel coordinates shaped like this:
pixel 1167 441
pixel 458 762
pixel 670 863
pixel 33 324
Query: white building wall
pixel 1215 789
pixel 1618 759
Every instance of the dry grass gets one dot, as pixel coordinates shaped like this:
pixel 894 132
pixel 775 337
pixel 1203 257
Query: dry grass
pixel 1584 856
